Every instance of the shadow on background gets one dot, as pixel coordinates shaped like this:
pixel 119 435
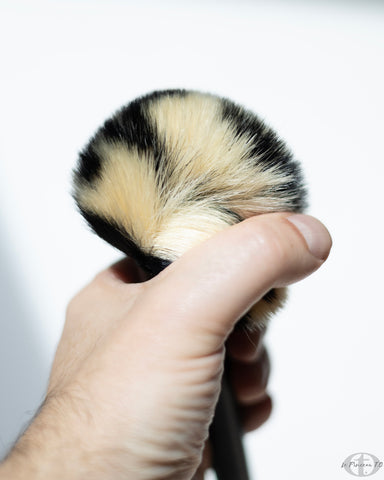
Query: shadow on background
pixel 23 371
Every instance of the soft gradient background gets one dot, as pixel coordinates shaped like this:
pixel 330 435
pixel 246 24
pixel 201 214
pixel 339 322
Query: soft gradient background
pixel 313 70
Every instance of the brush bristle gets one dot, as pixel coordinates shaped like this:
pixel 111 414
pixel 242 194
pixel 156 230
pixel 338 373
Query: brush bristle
pixel 174 167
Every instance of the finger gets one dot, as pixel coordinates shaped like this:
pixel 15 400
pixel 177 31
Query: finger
pixel 244 345
pixel 249 380
pixel 253 416
pixel 209 288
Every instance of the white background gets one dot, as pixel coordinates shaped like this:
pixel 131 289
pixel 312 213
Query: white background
pixel 314 71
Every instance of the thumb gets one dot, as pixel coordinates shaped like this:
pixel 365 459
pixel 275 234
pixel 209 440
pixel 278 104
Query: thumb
pixel 208 289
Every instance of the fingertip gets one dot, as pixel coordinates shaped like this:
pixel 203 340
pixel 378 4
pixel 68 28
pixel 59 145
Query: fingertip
pixel 315 234
pixel 254 416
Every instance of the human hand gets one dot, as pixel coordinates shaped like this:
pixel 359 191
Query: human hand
pixel 137 372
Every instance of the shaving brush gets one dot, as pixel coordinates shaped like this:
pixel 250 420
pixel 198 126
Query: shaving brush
pixel 172 168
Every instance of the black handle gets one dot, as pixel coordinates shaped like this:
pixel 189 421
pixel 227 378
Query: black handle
pixel 228 457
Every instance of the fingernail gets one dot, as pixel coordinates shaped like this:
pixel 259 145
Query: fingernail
pixel 315 234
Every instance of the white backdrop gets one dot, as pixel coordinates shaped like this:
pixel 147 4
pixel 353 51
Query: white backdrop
pixel 314 71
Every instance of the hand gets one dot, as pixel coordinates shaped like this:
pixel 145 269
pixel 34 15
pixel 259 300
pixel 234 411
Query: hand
pixel 137 371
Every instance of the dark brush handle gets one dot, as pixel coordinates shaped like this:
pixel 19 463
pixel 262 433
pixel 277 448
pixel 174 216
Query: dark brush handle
pixel 228 455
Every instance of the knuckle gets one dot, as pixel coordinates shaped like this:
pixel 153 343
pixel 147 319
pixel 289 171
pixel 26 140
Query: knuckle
pixel 272 239
pixel 73 305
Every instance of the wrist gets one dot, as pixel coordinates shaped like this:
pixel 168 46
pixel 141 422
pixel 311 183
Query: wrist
pixel 65 443
pixel 50 448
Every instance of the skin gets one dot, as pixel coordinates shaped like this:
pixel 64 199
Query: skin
pixel 137 371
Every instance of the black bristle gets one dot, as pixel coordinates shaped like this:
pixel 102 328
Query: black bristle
pixel 270 296
pixel 268 150
pixel 89 165
pixel 111 233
